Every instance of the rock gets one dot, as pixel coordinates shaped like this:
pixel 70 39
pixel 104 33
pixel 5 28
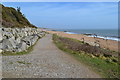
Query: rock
pixel 39 35
pixel 0 45
pixel 18 39
pixel 28 40
pixel 7 35
pixel 13 42
pixel 22 46
pixel 1 34
pixel 92 56
pixel 103 57
pixel 34 40
pixel 6 45
pixel 1 50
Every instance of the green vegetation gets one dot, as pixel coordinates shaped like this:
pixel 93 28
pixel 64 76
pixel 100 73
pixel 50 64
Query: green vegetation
pixel 10 62
pixel 20 62
pixel 8 53
pixel 23 62
pixel 105 66
pixel 14 18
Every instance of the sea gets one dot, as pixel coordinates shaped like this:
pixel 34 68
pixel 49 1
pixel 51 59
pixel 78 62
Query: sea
pixel 111 34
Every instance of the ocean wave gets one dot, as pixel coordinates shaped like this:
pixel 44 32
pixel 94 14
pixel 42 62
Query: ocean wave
pixel 90 35
pixel 107 38
pixel 70 33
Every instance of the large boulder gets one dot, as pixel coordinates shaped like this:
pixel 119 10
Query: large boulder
pixel 21 47
pixel 28 40
pixel 6 45
pixel 34 39
pixel 13 42
pixel 7 35
pixel 40 35
pixel 18 40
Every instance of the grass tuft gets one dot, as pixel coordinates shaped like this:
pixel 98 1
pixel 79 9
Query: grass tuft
pixel 23 62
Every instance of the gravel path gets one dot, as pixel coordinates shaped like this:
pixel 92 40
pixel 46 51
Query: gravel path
pixel 45 61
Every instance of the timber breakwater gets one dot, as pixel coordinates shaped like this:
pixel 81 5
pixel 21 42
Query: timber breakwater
pixel 18 39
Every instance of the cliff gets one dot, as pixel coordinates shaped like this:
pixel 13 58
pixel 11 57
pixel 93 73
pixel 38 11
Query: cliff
pixel 17 34
pixel 12 18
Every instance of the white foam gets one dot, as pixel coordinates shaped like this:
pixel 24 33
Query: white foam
pixel 70 32
pixel 109 38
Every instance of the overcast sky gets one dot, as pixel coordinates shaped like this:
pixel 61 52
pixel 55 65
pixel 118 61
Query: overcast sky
pixel 70 15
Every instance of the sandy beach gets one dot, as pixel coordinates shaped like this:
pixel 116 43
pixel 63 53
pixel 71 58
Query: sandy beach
pixel 107 44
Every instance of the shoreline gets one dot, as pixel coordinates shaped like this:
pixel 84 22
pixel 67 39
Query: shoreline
pixel 103 43
pixel 98 36
pixel 115 38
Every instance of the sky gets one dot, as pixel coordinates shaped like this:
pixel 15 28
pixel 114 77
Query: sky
pixel 70 15
pixel 60 0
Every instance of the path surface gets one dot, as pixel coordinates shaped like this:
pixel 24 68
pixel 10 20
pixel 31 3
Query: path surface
pixel 45 61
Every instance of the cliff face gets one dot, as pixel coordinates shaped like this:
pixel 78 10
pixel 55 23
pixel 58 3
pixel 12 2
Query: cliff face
pixel 12 18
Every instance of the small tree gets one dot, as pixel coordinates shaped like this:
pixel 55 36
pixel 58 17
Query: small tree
pixel 24 15
pixel 18 9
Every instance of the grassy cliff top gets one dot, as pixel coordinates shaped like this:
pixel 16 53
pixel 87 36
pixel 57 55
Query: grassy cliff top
pixel 12 18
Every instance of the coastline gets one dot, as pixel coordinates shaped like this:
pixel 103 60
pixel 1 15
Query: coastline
pixel 103 43
pixel 98 36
